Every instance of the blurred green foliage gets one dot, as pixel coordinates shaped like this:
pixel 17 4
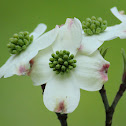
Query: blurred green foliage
pixel 21 103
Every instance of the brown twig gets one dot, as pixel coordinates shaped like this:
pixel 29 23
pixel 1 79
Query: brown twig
pixel 111 109
pixel 62 118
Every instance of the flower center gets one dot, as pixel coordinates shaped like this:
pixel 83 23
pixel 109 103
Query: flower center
pixel 19 42
pixel 62 61
pixel 94 25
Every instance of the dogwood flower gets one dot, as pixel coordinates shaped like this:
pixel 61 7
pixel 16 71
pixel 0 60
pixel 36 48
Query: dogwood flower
pixel 97 32
pixel 19 63
pixel 65 70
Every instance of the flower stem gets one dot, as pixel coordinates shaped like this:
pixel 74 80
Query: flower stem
pixel 62 118
pixel 111 109
pixel 104 98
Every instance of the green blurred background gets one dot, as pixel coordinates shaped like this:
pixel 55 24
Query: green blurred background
pixel 21 103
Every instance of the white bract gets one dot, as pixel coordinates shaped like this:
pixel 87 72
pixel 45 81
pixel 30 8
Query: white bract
pixel 91 43
pixel 19 64
pixel 62 91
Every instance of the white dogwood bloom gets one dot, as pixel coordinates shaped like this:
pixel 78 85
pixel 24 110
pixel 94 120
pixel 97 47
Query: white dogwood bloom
pixel 90 43
pixel 19 63
pixel 68 70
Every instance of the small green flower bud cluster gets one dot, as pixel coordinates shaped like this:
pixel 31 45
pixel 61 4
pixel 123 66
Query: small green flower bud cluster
pixel 94 25
pixel 62 62
pixel 19 42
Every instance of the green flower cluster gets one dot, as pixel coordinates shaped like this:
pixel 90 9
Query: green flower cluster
pixel 94 25
pixel 19 42
pixel 62 62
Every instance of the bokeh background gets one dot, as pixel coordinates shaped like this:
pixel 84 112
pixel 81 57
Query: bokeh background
pixel 21 103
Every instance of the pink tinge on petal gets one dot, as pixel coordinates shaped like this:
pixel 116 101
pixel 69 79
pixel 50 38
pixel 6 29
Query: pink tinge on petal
pixel 104 71
pixel 31 62
pixel 22 70
pixel 71 21
pixel 60 107
pixel 59 25
pixel 80 48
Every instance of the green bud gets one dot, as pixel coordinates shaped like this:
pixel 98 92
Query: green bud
pixel 93 18
pixel 97 23
pixel 15 36
pixel 58 66
pixel 74 65
pixel 20 42
pixel 88 20
pixel 70 67
pixel 89 31
pixel 67 52
pixel 61 53
pixel 14 52
pixel 88 24
pixel 74 61
pixel 63 68
pixel 54 69
pixel 31 38
pixel 98 30
pixel 103 27
pixel 24 47
pixel 71 61
pixel 84 26
pixel 56 56
pixel 57 52
pixel 18 48
pixel 51 65
pixel 92 26
pixel 21 36
pixel 26 42
pixel 53 55
pixel 105 22
pixel 12 46
pixel 57 72
pixel 60 60
pixel 55 62
pixel 71 56
pixel 9 45
pixel 93 22
pixel 85 30
pixel 27 37
pixel 67 70
pixel 65 57
pixel 51 59
pixel 26 33
pixel 100 19
pixel 83 23
pixel 66 63
pixel 64 51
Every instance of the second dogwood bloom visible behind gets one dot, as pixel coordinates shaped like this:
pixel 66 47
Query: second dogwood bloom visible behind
pixel 101 33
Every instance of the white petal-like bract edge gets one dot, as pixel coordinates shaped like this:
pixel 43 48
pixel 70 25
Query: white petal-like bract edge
pixel 40 71
pixel 39 30
pixel 91 43
pixel 61 95
pixel 69 36
pixel 121 17
pixel 91 71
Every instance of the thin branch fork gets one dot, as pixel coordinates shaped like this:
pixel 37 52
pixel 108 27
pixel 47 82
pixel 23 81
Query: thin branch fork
pixel 111 109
